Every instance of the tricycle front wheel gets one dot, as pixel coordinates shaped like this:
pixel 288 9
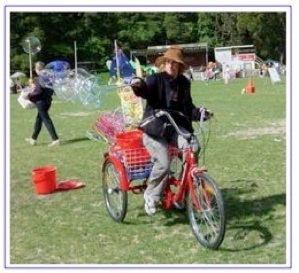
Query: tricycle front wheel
pixel 205 209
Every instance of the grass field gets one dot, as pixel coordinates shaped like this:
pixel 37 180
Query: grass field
pixel 246 156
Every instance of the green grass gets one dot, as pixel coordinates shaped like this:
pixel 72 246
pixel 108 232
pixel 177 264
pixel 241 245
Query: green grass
pixel 246 155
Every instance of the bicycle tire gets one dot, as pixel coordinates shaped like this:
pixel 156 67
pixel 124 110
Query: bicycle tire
pixel 205 209
pixel 116 199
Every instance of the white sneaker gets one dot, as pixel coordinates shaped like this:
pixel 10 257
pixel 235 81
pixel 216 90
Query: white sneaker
pixel 150 206
pixel 54 143
pixel 31 141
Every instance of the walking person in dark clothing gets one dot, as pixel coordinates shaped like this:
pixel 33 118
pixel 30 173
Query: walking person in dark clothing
pixel 42 97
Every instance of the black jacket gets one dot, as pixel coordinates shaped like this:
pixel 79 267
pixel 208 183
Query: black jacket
pixel 159 92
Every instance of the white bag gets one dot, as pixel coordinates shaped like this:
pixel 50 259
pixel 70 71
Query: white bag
pixel 24 101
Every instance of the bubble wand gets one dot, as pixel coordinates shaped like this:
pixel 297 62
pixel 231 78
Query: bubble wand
pixel 30 59
pixel 118 79
pixel 31 45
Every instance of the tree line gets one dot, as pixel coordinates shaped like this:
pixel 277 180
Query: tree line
pixel 95 33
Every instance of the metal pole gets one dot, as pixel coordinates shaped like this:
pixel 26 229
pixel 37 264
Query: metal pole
pixel 75 48
pixel 207 58
pixel 117 62
pixel 30 61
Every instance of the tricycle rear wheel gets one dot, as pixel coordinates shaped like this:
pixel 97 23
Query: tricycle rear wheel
pixel 116 199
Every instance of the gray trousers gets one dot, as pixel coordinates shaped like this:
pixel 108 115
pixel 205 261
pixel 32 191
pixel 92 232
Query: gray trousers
pixel 158 149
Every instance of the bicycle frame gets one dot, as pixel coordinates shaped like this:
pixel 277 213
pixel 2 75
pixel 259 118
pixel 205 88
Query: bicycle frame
pixel 184 184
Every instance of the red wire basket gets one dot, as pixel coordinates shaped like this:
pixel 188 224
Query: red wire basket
pixel 135 157
pixel 129 140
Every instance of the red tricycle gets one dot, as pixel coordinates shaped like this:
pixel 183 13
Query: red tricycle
pixel 128 160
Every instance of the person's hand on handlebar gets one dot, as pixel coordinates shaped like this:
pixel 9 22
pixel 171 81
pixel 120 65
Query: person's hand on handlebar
pixel 205 114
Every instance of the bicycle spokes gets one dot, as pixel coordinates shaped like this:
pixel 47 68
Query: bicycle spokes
pixel 115 197
pixel 206 211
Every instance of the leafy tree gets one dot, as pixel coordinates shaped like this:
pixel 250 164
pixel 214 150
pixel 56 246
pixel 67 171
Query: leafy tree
pixel 267 31
pixel 207 30
pixel 95 33
pixel 179 27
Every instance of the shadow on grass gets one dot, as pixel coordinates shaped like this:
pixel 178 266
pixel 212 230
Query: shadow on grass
pixel 238 208
pixel 176 216
pixel 75 140
pixel 246 237
pixel 170 217
pixel 67 141
pixel 245 218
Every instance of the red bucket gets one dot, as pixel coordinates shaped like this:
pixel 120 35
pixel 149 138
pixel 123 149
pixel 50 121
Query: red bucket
pixel 44 179
pixel 129 140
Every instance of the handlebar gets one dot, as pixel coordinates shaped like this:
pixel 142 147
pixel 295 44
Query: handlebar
pixel 161 113
pixel 205 134
pixel 205 115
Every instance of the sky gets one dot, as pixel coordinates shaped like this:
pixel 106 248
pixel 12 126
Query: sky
pixel 187 5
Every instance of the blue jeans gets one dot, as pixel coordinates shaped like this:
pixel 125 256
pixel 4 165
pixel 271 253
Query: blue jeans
pixel 44 117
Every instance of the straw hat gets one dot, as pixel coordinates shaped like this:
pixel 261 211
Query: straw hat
pixel 173 53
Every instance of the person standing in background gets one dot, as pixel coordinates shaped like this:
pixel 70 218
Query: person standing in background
pixel 226 74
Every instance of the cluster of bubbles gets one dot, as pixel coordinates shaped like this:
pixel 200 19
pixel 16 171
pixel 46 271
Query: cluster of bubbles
pixel 77 86
pixel 69 85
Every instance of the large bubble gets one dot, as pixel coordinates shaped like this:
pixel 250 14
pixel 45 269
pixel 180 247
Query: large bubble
pixel 31 45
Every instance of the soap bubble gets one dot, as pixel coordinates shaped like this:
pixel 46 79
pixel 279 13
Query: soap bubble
pixel 31 45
